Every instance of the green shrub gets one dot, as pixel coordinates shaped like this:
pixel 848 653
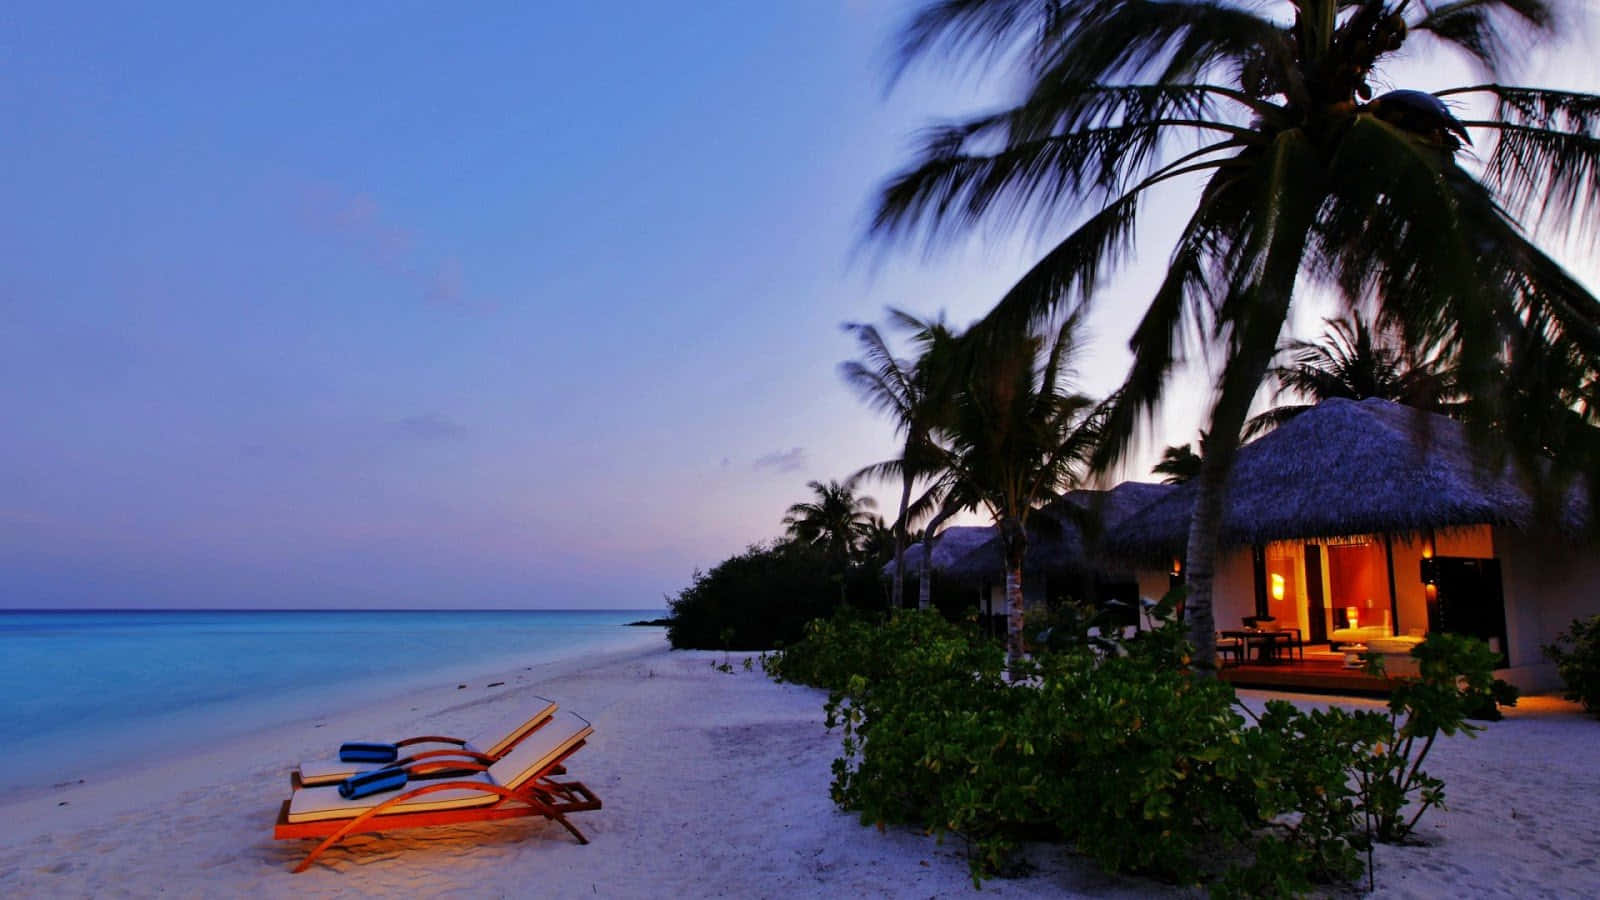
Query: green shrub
pixel 1118 750
pixel 1579 666
pixel 850 644
pixel 1455 682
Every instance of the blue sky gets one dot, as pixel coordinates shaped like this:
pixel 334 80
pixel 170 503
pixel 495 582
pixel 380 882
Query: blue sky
pixel 405 304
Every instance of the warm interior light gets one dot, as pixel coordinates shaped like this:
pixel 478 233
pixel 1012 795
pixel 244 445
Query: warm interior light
pixel 1177 567
pixel 1277 587
pixel 1353 614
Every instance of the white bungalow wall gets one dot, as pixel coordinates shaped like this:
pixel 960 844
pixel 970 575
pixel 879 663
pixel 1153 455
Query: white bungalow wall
pixel 994 599
pixel 1548 583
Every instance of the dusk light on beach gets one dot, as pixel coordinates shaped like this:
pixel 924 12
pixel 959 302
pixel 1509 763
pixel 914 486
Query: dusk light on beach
pixel 852 448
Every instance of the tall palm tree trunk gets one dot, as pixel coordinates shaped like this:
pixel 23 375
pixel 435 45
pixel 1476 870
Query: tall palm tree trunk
pixel 925 579
pixel 1240 381
pixel 1014 611
pixel 898 588
pixel 1016 543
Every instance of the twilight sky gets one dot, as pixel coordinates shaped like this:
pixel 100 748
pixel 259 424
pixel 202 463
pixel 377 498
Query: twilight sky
pixel 513 304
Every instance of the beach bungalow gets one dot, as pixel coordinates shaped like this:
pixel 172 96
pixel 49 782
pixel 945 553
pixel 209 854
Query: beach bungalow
pixel 1063 558
pixel 1357 521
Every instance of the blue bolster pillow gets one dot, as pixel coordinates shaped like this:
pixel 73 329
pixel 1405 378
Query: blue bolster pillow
pixel 363 751
pixel 374 782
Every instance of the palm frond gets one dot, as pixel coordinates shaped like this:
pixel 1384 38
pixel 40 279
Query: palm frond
pixel 1545 164
pixel 1480 27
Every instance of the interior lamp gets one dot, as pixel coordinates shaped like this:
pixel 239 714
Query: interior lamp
pixel 1277 587
pixel 1353 613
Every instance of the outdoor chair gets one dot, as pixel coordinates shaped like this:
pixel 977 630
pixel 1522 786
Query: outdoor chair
pixel 1230 646
pixel 493 744
pixel 517 785
pixel 1292 645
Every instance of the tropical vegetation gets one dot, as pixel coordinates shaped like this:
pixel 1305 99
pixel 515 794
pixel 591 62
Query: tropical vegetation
pixel 997 428
pixel 1178 464
pixel 915 395
pixel 1356 361
pixel 1576 653
pixel 1115 749
pixel 762 598
pixel 1307 181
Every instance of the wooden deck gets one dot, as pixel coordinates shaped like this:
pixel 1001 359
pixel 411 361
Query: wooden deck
pixel 1323 676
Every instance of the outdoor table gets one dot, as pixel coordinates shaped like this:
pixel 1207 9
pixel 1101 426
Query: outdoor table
pixel 1265 642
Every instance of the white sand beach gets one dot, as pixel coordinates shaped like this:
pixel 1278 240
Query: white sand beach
pixel 714 785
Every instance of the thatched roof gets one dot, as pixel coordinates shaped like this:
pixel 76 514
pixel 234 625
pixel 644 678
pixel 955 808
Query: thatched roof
pixel 949 545
pixel 1345 468
pixel 1056 539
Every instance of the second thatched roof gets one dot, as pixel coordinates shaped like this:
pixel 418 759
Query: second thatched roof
pixel 1063 537
pixel 1345 468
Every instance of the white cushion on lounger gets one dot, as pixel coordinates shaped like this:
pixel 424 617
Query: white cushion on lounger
pixel 1358 635
pixel 498 741
pixel 1398 645
pixel 540 750
pixel 313 804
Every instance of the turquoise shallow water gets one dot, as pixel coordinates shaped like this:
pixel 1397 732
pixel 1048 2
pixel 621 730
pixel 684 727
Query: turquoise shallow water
pixel 76 683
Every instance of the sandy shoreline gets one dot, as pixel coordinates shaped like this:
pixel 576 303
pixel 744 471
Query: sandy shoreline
pixel 715 785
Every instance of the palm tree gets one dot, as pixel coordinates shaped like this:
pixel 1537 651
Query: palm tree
pixel 1015 438
pixel 1179 464
pixel 1354 362
pixel 836 521
pixel 915 396
pixel 1304 178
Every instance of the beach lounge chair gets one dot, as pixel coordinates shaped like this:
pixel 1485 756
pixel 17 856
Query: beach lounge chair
pixel 485 749
pixel 516 785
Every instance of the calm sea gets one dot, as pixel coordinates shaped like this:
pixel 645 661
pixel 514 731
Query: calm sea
pixel 75 685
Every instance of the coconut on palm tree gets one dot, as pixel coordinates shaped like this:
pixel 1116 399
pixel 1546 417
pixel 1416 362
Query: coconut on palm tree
pixel 1305 179
pixel 915 395
pixel 1355 361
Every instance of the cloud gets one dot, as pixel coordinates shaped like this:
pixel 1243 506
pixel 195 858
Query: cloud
pixel 790 460
pixel 358 220
pixel 432 427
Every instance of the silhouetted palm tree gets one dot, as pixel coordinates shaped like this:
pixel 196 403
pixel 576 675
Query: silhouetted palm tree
pixel 1305 175
pixel 836 522
pixel 915 394
pixel 1016 438
pixel 1179 464
pixel 1353 362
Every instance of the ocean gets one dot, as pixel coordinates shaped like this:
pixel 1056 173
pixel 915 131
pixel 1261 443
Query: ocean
pixel 77 684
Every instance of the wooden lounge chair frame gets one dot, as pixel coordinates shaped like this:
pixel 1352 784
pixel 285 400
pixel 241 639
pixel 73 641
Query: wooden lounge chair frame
pixel 537 796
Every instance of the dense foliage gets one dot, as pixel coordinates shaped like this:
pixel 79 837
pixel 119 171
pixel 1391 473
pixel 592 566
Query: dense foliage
pixel 764 597
pixel 1114 748
pixel 1576 654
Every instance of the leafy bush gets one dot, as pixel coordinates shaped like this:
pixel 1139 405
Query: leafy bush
pixel 848 645
pixel 1455 682
pixel 1579 666
pixel 763 598
pixel 1118 750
